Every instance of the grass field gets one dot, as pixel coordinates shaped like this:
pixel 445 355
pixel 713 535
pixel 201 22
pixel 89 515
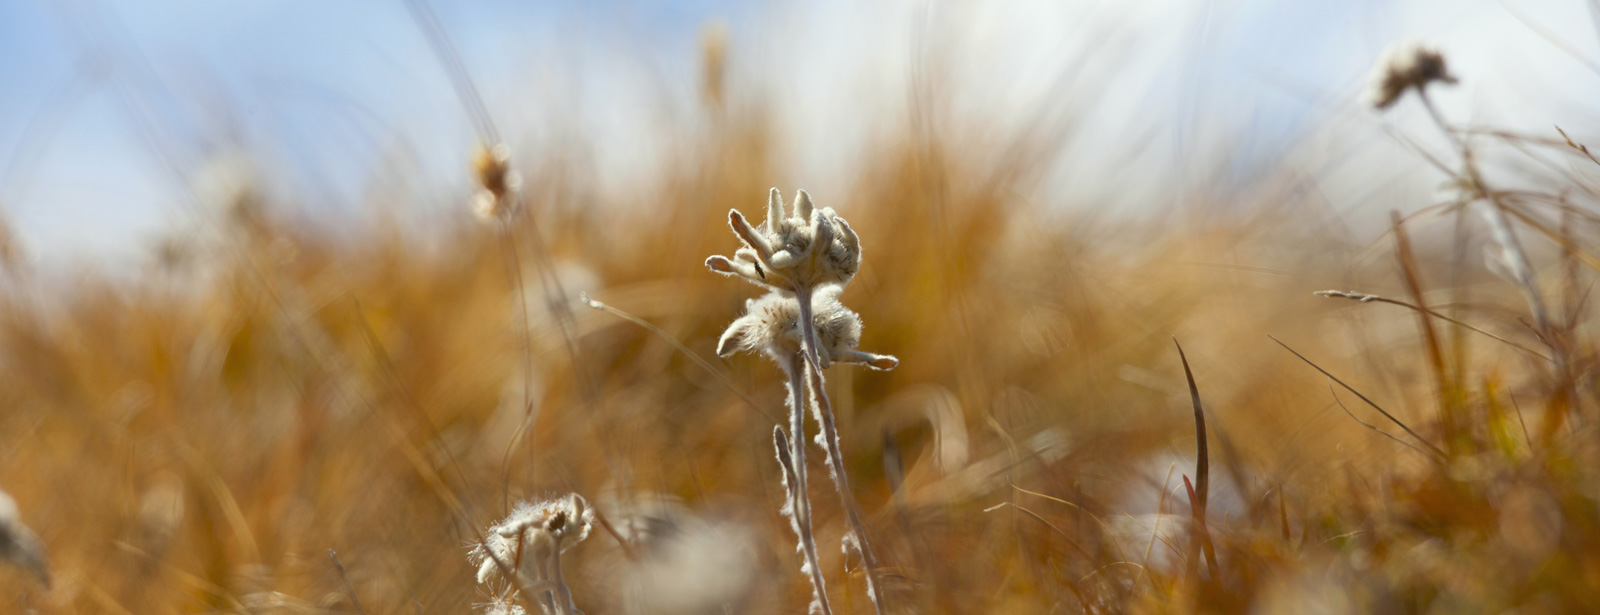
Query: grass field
pixel 206 434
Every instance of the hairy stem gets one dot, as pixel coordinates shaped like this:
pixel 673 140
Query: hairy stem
pixel 560 595
pixel 828 438
pixel 795 467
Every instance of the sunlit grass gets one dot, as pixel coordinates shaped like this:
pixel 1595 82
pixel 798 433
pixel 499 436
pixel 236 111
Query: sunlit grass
pixel 198 437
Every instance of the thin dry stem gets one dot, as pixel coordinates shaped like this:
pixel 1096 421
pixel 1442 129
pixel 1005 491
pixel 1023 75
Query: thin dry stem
pixel 348 587
pixel 1369 298
pixel 1436 450
pixel 1367 425
pixel 688 352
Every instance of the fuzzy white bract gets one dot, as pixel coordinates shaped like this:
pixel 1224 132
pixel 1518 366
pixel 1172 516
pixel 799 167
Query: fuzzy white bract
pixel 771 326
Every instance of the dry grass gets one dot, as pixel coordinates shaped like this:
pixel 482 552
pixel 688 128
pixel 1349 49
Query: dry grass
pixel 198 438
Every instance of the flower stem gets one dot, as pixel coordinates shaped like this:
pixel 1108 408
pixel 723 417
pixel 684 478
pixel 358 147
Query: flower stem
pixel 829 439
pixel 799 496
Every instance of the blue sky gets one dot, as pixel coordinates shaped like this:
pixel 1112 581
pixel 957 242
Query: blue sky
pixel 313 90
pixel 97 93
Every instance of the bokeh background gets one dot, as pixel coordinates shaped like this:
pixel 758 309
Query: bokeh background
pixel 332 99
pixel 247 315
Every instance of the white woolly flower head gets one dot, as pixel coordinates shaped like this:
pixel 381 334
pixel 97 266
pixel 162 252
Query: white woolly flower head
pixel 532 534
pixel 497 182
pixel 806 248
pixel 771 325
pixel 1405 66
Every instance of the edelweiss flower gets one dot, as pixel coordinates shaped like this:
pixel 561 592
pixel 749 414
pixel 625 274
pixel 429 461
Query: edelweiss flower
pixel 771 325
pixel 809 249
pixel 532 534
pixel 1405 66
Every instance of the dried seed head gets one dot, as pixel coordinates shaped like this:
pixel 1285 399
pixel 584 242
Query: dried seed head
pixel 532 534
pixel 771 325
pixel 810 248
pixel 1402 67
pixel 497 182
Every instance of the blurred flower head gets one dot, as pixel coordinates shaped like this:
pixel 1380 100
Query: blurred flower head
pixel 497 182
pixel 1402 67
pixel 18 544
pixel 532 534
